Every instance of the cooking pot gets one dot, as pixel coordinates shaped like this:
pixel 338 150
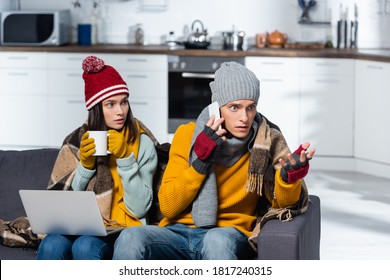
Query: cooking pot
pixel 198 37
pixel 233 40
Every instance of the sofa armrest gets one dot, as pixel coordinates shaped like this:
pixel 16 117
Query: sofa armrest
pixel 298 239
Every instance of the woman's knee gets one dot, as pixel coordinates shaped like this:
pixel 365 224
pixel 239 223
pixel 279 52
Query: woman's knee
pixel 55 246
pixel 90 247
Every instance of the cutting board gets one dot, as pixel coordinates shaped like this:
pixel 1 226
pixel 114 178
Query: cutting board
pixel 299 45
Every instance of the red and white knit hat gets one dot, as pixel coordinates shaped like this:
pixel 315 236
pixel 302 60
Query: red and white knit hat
pixel 101 81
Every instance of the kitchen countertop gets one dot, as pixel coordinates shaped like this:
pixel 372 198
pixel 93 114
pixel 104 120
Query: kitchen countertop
pixel 381 55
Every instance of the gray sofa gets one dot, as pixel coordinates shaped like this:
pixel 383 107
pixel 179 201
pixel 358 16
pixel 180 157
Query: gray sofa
pixel 30 169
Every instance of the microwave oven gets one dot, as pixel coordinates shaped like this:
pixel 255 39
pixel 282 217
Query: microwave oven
pixel 35 28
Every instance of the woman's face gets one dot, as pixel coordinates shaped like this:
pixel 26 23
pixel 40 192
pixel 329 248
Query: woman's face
pixel 115 111
pixel 239 116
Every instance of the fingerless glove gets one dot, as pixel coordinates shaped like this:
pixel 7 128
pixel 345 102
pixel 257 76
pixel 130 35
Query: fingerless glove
pixel 206 142
pixel 293 172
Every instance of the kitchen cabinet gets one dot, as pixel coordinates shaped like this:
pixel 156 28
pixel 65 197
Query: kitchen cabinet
pixel 23 93
pixel 372 117
pixel 146 78
pixel 310 99
pixel 279 93
pixel 326 105
pixel 43 95
pixel 66 105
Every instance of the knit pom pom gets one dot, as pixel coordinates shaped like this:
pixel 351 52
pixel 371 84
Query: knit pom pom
pixel 92 64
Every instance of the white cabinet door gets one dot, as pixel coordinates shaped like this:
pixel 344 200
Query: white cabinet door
pixel 145 75
pixel 23 94
pixel 65 114
pixel 152 112
pixel 23 120
pixel 279 94
pixel 372 116
pixel 326 109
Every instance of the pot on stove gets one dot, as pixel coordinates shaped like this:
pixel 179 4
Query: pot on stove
pixel 233 40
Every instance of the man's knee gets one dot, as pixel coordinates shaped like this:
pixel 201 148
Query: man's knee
pixel 131 242
pixel 223 243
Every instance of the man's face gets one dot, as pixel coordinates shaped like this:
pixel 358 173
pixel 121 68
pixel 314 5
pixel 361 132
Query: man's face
pixel 239 116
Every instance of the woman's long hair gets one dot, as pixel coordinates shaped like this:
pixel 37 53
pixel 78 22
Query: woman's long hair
pixel 96 122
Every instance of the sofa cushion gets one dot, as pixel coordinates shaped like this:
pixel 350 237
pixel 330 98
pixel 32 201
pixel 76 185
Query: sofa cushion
pixel 28 169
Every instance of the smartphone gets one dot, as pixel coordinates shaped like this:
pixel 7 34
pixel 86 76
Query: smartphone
pixel 214 110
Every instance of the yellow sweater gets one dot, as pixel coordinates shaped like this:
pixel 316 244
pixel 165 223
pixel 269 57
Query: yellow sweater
pixel 236 207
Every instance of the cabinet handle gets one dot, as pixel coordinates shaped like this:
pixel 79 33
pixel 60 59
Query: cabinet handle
pixel 327 64
pixel 272 63
pixel 197 75
pixel 75 58
pixel 17 58
pixel 137 76
pixel 137 60
pixel 328 81
pixel 75 101
pixel 138 103
pixel 73 75
pixel 273 80
pixel 18 74
pixel 375 67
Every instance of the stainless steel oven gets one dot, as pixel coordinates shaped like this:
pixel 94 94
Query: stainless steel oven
pixel 188 86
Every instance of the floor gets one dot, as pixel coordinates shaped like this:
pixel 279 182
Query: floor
pixel 355 214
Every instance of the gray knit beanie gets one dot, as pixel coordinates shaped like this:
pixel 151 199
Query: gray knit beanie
pixel 233 81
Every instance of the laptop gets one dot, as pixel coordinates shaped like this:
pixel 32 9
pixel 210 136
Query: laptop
pixel 64 212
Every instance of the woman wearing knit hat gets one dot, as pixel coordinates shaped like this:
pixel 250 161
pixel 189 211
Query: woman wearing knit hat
pixel 122 180
pixel 219 182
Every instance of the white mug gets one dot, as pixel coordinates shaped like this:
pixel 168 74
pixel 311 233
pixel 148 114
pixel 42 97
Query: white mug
pixel 100 142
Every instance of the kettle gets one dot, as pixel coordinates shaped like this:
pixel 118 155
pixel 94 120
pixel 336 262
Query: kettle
pixel 198 37
pixel 276 39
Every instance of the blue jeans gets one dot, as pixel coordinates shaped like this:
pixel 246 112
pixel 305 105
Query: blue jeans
pixel 178 241
pixel 85 247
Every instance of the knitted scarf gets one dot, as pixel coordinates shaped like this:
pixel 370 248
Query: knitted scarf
pixel 205 206
pixel 266 145
pixel 65 167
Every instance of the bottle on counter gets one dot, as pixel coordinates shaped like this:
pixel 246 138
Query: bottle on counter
pixel 171 41
pixel 93 20
pixel 139 35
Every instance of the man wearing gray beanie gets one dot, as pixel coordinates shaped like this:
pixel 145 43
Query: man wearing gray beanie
pixel 220 172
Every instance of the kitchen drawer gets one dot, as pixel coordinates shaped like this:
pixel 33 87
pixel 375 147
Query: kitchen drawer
pixel 66 82
pixel 137 62
pixel 146 83
pixel 23 60
pixel 119 61
pixel 23 81
pixel 326 66
pixel 272 65
pixel 66 60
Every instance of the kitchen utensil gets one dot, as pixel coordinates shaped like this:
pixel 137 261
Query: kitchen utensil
pixel 233 40
pixel 306 7
pixel 198 37
pixel 276 39
pixel 261 40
